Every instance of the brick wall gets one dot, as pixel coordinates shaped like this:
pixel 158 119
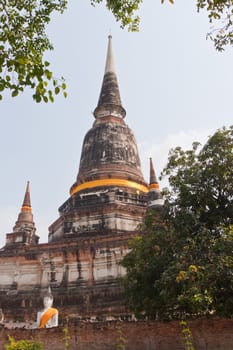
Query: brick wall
pixel 208 334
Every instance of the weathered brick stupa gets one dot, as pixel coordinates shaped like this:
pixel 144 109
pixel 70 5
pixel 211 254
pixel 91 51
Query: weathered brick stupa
pixel 107 202
pixel 110 193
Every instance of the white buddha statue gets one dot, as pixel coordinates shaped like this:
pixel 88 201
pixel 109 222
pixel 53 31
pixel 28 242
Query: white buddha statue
pixel 48 317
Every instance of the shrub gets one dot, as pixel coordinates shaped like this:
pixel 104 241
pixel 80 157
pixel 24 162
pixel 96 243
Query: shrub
pixel 23 345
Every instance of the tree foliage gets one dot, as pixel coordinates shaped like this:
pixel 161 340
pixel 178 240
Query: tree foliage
pixel 123 11
pixel 220 14
pixel 23 42
pixel 201 187
pixel 184 263
pixel 23 345
pixel 149 258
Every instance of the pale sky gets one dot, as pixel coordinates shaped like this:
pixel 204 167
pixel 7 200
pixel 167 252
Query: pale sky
pixel 175 88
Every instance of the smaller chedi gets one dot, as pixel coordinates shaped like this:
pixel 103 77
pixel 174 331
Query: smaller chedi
pixel 48 317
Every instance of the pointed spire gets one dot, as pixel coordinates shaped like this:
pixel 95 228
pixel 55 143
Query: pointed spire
pixel 109 103
pixel 110 64
pixel 27 201
pixel 24 231
pixel 25 216
pixel 153 179
pixel 155 198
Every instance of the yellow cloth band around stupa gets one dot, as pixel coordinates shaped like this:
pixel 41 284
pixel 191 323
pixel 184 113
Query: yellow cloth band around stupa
pixel 108 182
pixel 155 185
pixel 26 208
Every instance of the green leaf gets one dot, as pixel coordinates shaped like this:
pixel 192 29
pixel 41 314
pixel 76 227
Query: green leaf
pixel 51 98
pixel 57 90
pixel 48 74
pixel 38 98
pixel 23 60
pixel 14 93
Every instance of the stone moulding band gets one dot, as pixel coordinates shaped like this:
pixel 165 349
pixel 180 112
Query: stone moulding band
pixel 108 182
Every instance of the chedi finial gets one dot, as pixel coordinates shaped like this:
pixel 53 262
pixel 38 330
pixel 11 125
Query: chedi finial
pixel 109 103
